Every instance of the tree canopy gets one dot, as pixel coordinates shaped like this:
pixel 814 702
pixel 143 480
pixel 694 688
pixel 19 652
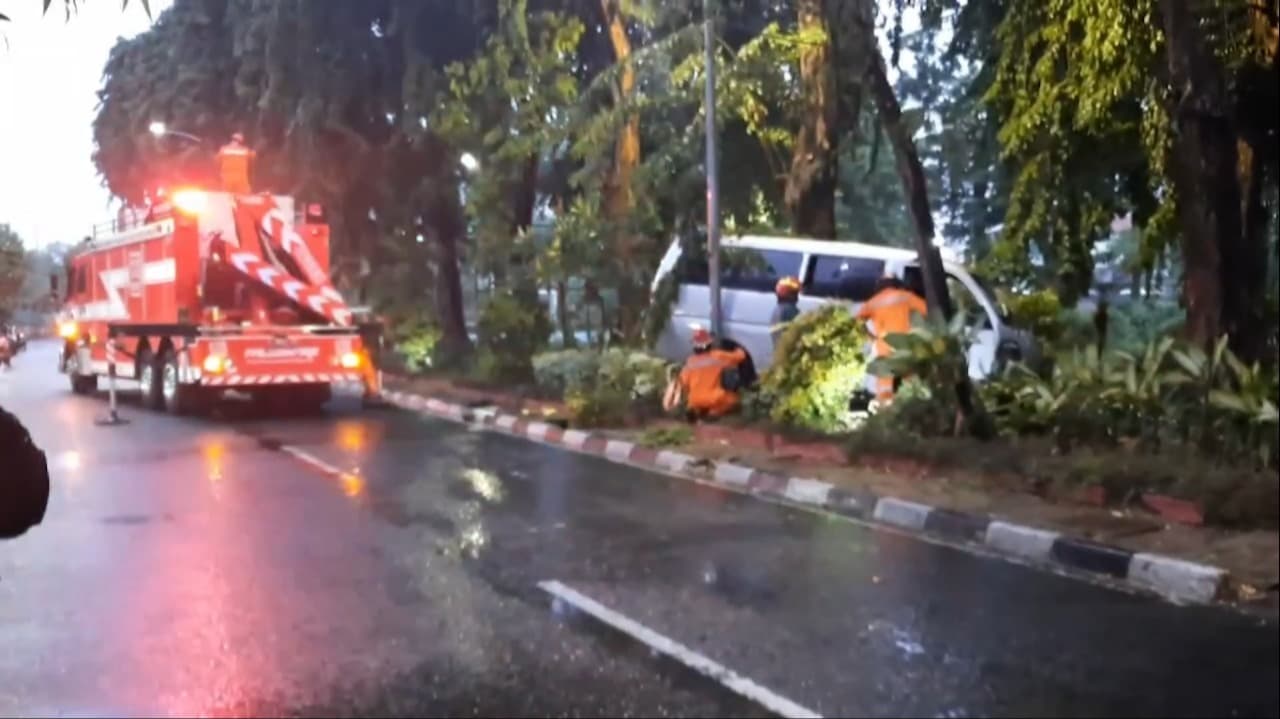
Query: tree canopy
pixel 1020 129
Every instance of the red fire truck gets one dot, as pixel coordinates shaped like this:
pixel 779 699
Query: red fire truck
pixel 205 292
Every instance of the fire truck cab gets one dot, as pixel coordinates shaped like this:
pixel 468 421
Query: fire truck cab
pixel 207 292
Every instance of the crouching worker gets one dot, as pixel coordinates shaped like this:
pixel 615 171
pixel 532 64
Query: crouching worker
pixel 710 379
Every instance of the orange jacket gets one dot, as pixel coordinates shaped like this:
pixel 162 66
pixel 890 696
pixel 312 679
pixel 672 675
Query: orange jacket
pixel 890 311
pixel 233 165
pixel 700 380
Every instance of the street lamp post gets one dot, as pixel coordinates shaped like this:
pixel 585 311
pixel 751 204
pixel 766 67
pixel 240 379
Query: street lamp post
pixel 713 177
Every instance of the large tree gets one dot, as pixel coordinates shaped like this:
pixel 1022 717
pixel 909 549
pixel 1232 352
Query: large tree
pixel 1162 109
pixel 13 271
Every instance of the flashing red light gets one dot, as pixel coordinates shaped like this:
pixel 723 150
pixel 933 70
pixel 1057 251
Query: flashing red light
pixel 191 202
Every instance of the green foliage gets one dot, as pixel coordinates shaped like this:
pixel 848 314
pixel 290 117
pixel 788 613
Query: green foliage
pixel 933 352
pixel 603 389
pixel 13 270
pixel 1133 325
pixel 640 377
pixel 602 406
pixel 563 370
pixel 416 341
pixel 510 332
pixel 1039 312
pixel 1165 395
pixel 819 363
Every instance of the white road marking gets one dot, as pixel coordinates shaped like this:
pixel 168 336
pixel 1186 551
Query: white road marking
pixel 311 460
pixel 733 681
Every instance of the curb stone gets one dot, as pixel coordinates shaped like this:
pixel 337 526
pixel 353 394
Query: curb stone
pixel 1174 579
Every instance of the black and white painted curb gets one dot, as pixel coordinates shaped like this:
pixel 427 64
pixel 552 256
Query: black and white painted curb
pixel 1174 579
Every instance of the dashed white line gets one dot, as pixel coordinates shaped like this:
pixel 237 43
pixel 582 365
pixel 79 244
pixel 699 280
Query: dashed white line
pixel 730 679
pixel 311 460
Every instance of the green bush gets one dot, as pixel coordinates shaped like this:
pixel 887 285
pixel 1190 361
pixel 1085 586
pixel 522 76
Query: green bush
pixel 562 370
pixel 1134 324
pixel 602 388
pixel 639 375
pixel 818 364
pixel 601 406
pixel 1166 394
pixel 933 352
pixel 510 333
pixel 416 341
pixel 1037 312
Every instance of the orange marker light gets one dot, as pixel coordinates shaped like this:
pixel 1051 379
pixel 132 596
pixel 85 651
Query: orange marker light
pixel 214 364
pixel 191 202
pixel 350 360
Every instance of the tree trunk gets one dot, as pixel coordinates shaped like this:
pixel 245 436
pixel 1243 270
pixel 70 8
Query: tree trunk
pixel 522 255
pixel 1205 161
pixel 626 152
pixel 568 339
pixel 914 187
pixel 810 192
pixel 450 228
pixel 619 197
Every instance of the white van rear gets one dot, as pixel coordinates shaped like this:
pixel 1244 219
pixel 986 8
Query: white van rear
pixel 843 272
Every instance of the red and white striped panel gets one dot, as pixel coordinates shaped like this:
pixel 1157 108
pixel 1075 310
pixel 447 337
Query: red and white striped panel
pixel 239 380
pixel 325 303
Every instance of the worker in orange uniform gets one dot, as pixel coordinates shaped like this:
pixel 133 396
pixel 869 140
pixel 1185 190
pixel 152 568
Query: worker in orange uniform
pixel 889 311
pixel 234 161
pixel 371 337
pixel 788 308
pixel 709 378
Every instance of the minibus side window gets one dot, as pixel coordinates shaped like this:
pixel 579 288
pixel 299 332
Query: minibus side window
pixel 846 278
pixel 748 268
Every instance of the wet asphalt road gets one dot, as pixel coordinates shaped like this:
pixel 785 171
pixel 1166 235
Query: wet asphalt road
pixel 186 568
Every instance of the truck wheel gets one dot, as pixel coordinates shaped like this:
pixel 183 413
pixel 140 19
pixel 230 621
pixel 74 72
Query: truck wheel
pixel 313 398
pixel 176 397
pixel 149 380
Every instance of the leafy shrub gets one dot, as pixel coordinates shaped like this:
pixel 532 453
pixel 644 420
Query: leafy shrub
pixel 510 333
pixel 933 351
pixel 640 376
pixel 1037 312
pixel 416 340
pixel 1167 393
pixel 601 406
pixel 1135 324
pixel 562 370
pixel 602 388
pixel 819 363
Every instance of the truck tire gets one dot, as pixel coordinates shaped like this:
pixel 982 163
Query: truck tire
pixel 312 398
pixel 176 397
pixel 149 380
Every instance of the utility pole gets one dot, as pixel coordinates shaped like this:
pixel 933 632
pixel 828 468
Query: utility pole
pixel 713 177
